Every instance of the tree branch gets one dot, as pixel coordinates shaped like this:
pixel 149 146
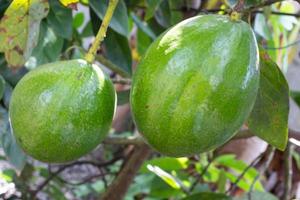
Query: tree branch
pixel 134 140
pixel 261 5
pixel 119 187
pixel 123 81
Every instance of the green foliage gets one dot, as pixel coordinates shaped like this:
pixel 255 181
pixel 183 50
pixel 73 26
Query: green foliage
pixel 119 22
pixel 49 32
pixel 270 112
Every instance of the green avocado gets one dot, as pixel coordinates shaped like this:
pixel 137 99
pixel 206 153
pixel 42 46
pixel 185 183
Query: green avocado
pixel 61 111
pixel 196 85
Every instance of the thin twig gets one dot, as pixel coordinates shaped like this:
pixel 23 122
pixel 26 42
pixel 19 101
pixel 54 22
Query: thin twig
pixel 107 63
pixel 282 47
pixel 90 56
pixel 239 7
pixel 288 172
pixel 64 167
pixel 134 140
pixel 86 180
pixel 262 171
pixel 123 81
pixel 239 178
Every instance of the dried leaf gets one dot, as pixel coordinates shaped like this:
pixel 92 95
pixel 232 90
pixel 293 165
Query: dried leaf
pixel 19 29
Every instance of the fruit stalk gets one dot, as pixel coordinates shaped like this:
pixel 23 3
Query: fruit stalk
pixel 90 56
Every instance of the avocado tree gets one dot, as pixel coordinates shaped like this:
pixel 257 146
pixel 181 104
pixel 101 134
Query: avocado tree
pixel 138 99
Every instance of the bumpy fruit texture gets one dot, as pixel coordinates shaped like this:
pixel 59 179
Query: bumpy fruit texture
pixel 63 110
pixel 196 85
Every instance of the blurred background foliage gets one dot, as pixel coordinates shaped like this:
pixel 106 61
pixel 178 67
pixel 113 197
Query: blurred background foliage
pixel 66 33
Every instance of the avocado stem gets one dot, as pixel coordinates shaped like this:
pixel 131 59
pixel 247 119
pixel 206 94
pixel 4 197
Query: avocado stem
pixel 90 56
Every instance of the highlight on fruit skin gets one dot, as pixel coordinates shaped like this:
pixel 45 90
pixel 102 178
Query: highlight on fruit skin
pixel 196 85
pixel 63 110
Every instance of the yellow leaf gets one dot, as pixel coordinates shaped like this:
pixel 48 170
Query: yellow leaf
pixel 19 29
pixel 67 3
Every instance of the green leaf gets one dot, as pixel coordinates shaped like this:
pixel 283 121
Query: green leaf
pixel 140 185
pixel 143 26
pixel 296 157
pixel 222 181
pixel 48 49
pixel 269 117
pixel 256 195
pixel 78 20
pixel 60 20
pixel 87 30
pixel 12 150
pixel 207 196
pixel 296 96
pixel 163 14
pixel 239 166
pixel 123 97
pixel 152 5
pixel 166 163
pixel 118 50
pixel 143 42
pixel 168 178
pixel 159 189
pixel 19 29
pixel 2 86
pixel 119 21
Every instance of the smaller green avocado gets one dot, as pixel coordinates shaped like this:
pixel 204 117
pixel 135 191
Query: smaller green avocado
pixel 63 110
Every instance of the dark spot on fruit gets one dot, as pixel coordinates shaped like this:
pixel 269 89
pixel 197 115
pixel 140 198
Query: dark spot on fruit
pixel 18 50
pixel 147 106
pixel 3 30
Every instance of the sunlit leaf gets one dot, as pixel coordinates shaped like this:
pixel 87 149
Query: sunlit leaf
pixel 168 178
pixel 68 3
pixel 19 29
pixel 222 181
pixel 166 163
pixel 269 117
pixel 78 20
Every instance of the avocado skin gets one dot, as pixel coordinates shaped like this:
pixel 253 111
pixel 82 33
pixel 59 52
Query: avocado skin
pixel 196 85
pixel 61 111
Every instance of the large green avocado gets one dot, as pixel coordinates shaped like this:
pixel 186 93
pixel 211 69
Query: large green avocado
pixel 196 85
pixel 61 111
